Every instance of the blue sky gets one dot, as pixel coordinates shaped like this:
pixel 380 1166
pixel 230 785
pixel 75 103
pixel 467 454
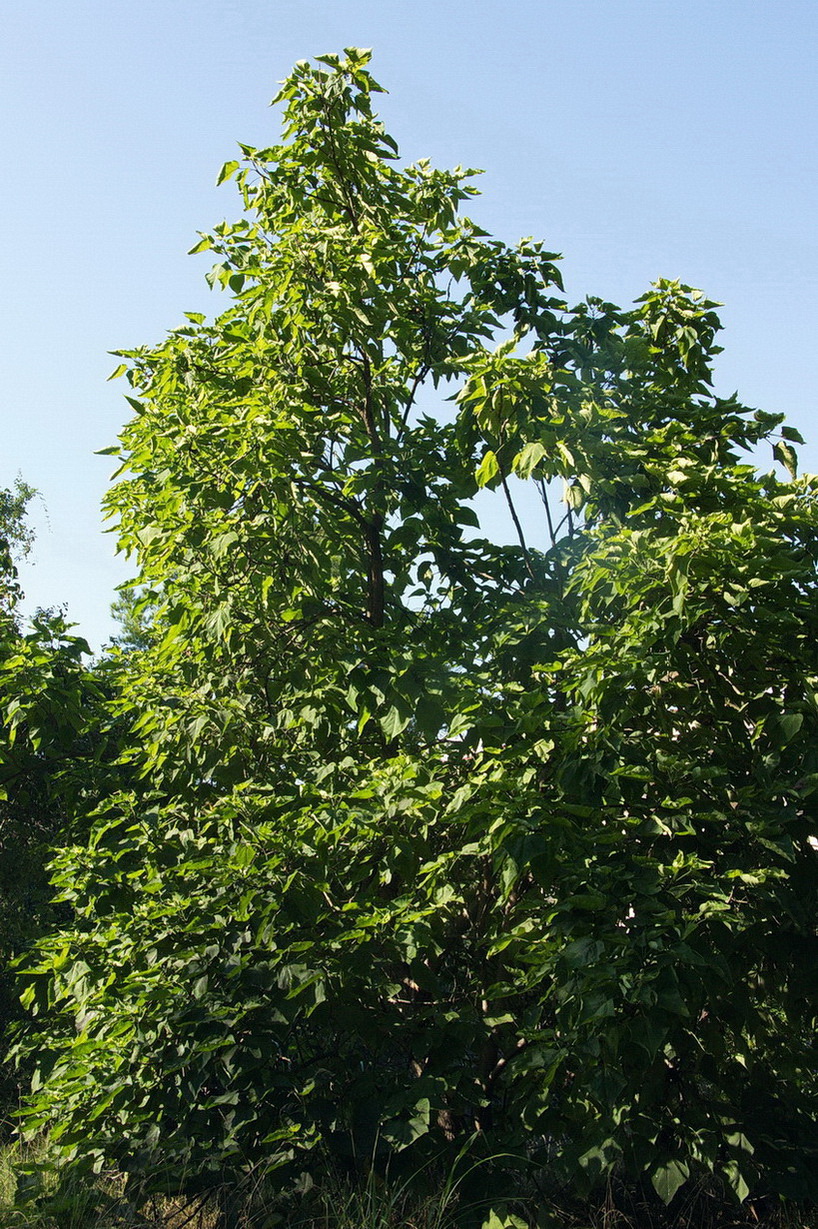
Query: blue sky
pixel 641 138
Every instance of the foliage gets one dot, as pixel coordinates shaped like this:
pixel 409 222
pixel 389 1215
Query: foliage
pixel 16 538
pixel 435 840
pixel 15 531
pixel 69 1201
pixel 134 619
pixel 53 751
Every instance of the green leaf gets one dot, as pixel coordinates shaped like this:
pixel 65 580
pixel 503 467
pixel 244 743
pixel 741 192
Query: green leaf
pixel 223 543
pixel 393 723
pixel 528 459
pixel 487 470
pixel 401 1132
pixel 789 725
pixel 227 172
pixel 736 1180
pixel 668 1178
pixel 787 456
pixel 499 1218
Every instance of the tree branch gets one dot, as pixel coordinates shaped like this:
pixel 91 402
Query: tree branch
pixel 517 525
pixel 375 573
pixel 541 487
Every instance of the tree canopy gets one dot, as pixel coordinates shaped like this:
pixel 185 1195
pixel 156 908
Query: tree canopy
pixel 421 840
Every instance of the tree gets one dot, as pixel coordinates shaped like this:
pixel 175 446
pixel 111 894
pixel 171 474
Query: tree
pixel 437 840
pixel 55 749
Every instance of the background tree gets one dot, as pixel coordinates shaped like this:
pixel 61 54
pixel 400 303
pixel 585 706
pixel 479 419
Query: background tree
pixel 438 841
pixel 55 744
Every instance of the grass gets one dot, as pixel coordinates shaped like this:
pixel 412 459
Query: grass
pixel 372 1203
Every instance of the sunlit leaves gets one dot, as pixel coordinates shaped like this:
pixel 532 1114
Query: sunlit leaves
pixel 487 470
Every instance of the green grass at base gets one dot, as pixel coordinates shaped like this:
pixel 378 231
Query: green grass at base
pixel 66 1203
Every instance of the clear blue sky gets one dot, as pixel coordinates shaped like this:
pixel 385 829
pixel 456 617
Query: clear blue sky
pixel 641 138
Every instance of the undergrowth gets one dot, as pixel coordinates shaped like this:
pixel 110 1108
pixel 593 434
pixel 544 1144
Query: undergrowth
pixel 33 1197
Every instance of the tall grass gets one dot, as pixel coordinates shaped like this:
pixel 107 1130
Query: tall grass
pixel 372 1202
pixel 48 1201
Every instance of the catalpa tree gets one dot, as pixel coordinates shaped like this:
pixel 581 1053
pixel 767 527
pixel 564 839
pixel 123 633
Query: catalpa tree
pixel 438 841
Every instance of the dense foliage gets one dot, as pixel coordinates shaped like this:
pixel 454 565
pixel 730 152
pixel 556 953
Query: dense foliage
pixel 436 841
pixel 55 760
